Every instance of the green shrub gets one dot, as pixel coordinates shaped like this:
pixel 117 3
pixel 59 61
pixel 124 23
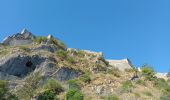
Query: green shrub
pixel 112 97
pixel 137 94
pixel 148 72
pixel 147 93
pixel 80 53
pixel 4 93
pixel 85 78
pixel 3 52
pixel 3 88
pixel 127 86
pixel 28 90
pixel 62 54
pixel 71 60
pixel 47 95
pixel 165 97
pixel 24 48
pixel 74 94
pixel 161 84
pixel 40 39
pixel 54 86
pixel 141 82
pixel 73 84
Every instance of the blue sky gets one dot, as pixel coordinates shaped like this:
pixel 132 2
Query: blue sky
pixel 134 29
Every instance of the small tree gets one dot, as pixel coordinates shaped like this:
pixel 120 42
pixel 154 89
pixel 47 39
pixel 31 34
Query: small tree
pixel 148 72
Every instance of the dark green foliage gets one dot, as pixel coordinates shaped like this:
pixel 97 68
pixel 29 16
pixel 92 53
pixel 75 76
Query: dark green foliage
pixel 40 39
pixel 147 93
pixel 4 93
pixel 74 94
pixel 28 90
pixel 47 95
pixel 165 97
pixel 73 84
pixel 80 53
pixel 161 84
pixel 148 72
pixel 112 97
pixel 62 54
pixel 85 78
pixel 71 60
pixel 3 88
pixel 54 86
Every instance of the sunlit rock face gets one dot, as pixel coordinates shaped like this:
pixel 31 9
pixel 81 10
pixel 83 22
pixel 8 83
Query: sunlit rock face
pixel 22 38
pixel 20 65
pixel 121 64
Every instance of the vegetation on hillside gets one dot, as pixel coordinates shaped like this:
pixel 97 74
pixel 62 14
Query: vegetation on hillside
pixel 97 79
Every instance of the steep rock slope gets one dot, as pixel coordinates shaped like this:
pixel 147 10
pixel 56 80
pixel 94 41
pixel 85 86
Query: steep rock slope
pixel 43 68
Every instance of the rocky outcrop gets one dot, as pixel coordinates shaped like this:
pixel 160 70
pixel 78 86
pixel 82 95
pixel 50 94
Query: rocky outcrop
pixel 22 38
pixel 64 74
pixel 121 64
pixel 20 65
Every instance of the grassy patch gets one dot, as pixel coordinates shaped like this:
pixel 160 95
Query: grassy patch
pixel 73 94
pixel 40 39
pixel 147 93
pixel 111 97
pixel 85 78
pixel 141 82
pixel 24 48
pixel 114 71
pixel 127 86
pixel 148 72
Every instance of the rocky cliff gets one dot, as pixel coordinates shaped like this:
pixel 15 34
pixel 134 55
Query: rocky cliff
pixel 43 68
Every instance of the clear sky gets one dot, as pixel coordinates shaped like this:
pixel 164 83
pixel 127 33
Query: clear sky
pixel 134 29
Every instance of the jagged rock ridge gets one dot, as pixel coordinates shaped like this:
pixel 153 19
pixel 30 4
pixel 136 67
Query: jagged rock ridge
pixel 22 38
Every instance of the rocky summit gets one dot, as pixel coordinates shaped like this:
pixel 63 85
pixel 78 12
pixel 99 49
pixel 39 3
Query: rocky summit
pixel 43 68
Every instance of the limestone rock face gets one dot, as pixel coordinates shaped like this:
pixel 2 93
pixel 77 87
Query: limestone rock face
pixel 22 38
pixel 65 74
pixel 19 65
pixel 121 64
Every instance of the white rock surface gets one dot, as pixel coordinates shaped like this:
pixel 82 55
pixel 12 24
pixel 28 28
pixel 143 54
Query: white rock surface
pixel 121 64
